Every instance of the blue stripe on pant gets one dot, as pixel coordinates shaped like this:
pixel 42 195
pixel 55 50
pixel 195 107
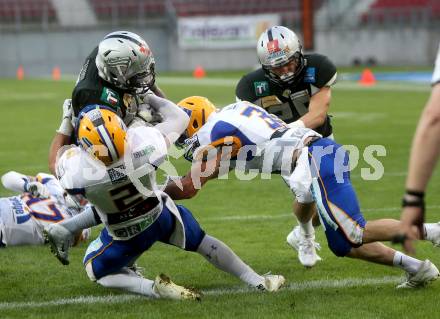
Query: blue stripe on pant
pixel 335 197
pixel 108 256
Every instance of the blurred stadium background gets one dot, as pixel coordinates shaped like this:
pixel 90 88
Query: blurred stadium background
pixel 396 39
pixel 216 34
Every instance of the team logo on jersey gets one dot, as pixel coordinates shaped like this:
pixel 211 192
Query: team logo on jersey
pixel 117 174
pixel 110 97
pixel 309 77
pixel 261 88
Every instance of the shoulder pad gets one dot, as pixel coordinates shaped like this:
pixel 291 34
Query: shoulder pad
pixel 75 168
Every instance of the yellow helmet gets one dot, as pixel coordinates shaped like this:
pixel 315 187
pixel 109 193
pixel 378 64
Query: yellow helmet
pixel 102 132
pixel 199 108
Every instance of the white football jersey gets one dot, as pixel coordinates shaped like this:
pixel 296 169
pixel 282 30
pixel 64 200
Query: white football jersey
pixel 125 194
pixel 255 135
pixel 24 217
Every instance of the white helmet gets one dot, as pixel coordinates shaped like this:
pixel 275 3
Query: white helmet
pixel 276 47
pixel 125 60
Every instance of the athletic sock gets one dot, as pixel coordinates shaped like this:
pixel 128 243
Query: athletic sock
pixel 128 280
pixel 405 262
pixel 307 228
pixel 83 220
pixel 222 257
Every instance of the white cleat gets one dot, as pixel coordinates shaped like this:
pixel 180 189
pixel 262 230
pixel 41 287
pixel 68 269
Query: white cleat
pixel 436 235
pixel 60 240
pixel 306 247
pixel 165 288
pixel 427 272
pixel 272 283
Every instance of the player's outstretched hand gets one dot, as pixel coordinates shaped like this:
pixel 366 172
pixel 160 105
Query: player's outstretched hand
pixel 36 189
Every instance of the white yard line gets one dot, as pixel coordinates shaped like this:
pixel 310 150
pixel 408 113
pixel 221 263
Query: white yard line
pixel 294 286
pixel 289 215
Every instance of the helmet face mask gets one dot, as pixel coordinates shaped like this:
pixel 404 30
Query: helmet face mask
pixel 125 60
pixel 279 48
pixel 143 81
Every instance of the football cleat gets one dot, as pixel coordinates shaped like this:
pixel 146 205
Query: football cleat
pixel 306 247
pixel 60 240
pixel 272 283
pixel 425 274
pixel 435 237
pixel 165 288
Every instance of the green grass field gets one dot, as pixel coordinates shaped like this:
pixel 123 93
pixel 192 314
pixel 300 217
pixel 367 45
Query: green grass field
pixel 252 217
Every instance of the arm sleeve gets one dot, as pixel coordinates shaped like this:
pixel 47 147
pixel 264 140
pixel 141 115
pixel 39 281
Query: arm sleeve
pixel 175 120
pixel 327 72
pixel 15 181
pixel 244 90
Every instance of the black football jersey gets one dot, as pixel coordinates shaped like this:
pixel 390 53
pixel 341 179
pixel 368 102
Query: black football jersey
pixel 290 102
pixel 91 89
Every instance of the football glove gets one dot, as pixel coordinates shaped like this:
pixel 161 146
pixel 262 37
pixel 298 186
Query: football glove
pixel 66 127
pixel 36 189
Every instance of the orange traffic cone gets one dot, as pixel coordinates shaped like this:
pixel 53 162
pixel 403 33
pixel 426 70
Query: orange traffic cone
pixel 20 73
pixel 367 78
pixel 199 72
pixel 56 73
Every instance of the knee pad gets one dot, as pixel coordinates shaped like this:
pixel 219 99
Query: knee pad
pixel 89 271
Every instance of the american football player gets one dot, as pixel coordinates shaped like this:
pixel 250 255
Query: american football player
pixel 115 169
pixel 246 137
pixel 117 74
pixel 42 201
pixel 296 87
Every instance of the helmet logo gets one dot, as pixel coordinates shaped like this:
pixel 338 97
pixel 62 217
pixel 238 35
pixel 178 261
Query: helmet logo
pixel 144 50
pixel 273 46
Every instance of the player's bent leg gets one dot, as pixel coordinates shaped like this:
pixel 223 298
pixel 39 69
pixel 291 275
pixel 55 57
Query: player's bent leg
pixel 221 256
pixel 373 252
pixel 335 197
pixel 387 229
pixel 381 230
pixel 418 273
